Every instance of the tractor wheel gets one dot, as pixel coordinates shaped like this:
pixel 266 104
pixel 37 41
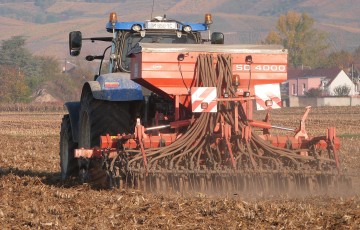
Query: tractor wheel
pixel 68 163
pixel 98 117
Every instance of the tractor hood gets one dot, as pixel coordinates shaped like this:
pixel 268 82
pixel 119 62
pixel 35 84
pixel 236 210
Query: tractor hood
pixel 116 87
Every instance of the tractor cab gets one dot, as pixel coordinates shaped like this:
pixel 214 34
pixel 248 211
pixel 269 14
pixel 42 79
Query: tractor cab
pixel 126 35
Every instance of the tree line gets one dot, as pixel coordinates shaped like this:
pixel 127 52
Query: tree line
pixel 22 74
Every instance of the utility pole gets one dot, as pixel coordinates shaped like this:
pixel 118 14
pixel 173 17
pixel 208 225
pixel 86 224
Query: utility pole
pixel 64 69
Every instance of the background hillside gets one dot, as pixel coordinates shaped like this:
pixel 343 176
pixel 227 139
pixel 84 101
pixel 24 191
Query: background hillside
pixel 46 23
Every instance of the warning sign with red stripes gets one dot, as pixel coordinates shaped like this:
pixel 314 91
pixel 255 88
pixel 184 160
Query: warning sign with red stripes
pixel 203 100
pixel 270 93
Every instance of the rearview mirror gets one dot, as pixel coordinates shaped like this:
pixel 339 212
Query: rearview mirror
pixel 217 38
pixel 75 42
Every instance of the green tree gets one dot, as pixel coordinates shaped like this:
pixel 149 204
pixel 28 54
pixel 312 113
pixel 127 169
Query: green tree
pixel 13 86
pixel 306 45
pixel 14 53
pixel 35 71
pixel 341 59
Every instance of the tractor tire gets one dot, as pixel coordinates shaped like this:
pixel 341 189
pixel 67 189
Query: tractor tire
pixel 98 117
pixel 68 163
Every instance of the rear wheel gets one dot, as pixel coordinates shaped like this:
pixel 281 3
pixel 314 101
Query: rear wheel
pixel 98 117
pixel 68 163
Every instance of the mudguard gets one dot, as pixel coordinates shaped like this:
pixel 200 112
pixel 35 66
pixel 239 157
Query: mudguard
pixel 74 109
pixel 115 87
pixel 109 87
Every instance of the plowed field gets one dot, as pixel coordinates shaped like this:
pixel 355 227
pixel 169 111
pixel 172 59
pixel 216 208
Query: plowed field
pixel 32 196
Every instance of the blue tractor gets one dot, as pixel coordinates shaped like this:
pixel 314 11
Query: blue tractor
pixel 111 102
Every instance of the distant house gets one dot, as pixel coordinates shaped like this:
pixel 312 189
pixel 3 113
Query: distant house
pixel 327 79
